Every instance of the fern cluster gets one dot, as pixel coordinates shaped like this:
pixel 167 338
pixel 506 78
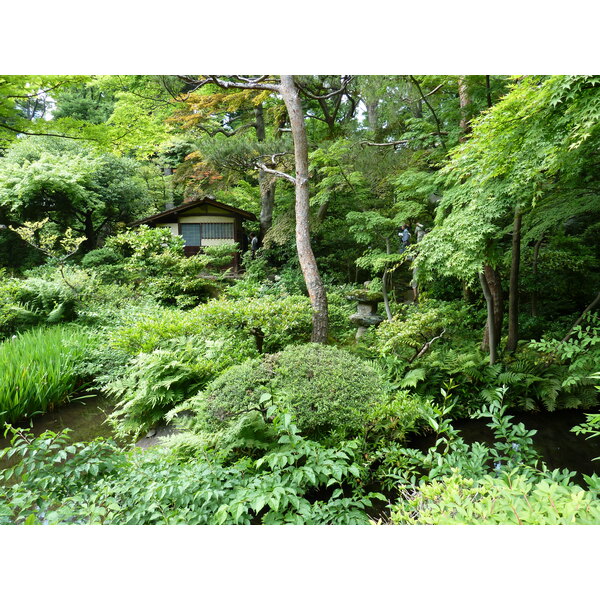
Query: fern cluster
pixel 153 383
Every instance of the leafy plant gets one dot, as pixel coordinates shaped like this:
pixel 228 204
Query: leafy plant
pixel 512 499
pixel 591 426
pixel 513 448
pixel 298 482
pixel 39 370
pixel 572 361
pixel 325 389
pixel 270 322
pixel 155 382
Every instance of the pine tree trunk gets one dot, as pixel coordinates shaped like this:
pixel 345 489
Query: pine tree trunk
pixel 513 292
pixel 266 182
pixel 308 264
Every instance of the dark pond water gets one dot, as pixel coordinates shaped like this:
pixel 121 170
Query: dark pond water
pixel 557 445
pixel 85 418
pixel 554 441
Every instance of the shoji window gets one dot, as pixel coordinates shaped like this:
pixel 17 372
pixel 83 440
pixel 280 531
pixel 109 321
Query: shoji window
pixel 190 232
pixel 217 231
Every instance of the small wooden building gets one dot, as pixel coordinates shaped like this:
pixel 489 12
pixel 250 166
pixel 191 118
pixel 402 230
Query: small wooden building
pixel 203 222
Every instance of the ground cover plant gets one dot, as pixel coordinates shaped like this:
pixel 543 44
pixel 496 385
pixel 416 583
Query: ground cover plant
pixel 98 483
pixel 153 383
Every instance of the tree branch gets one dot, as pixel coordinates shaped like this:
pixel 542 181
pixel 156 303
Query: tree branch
pixel 276 173
pixel 346 81
pixel 395 143
pixel 433 91
pixel 247 80
pixel 426 346
pixel 275 155
pixel 437 122
pixel 60 135
pixel 40 92
pixel 251 84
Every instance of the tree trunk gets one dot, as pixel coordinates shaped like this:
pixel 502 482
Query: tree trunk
pixel 490 317
pixel 465 100
pixel 513 291
pixel 308 264
pixel 267 202
pixel 91 236
pixel 415 101
pixel 494 285
pixel 265 181
pixel 488 91
pixel 372 105
pixel 534 297
pixel 384 285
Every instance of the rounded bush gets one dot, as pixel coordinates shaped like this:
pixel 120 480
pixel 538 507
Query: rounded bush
pixel 100 257
pixel 326 389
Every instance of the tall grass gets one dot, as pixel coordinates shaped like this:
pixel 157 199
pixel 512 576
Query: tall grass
pixel 38 370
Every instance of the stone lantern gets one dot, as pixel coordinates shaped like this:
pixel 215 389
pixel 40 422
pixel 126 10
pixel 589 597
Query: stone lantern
pixel 366 311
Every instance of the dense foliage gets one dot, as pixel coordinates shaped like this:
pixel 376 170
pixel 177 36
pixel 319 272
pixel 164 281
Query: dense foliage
pixel 460 212
pixel 325 389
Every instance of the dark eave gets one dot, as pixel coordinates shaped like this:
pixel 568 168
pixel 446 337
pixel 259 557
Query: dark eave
pixel 187 205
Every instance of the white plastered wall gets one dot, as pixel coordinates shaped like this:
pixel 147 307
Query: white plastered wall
pixel 206 219
pixel 174 227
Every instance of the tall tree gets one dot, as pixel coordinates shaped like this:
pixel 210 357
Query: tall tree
pixel 24 101
pixel 532 153
pixel 288 89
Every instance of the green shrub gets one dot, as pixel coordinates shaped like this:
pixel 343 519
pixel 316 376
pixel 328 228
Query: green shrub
pixel 571 365
pixel 33 301
pixel 513 448
pixel 298 482
pixel 48 296
pixel 325 389
pixel 340 309
pixel 409 331
pixel 270 322
pixel 509 500
pixel 39 370
pixel 396 417
pixel 591 426
pixel 101 257
pixel 151 260
pixel 9 317
pixel 153 383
